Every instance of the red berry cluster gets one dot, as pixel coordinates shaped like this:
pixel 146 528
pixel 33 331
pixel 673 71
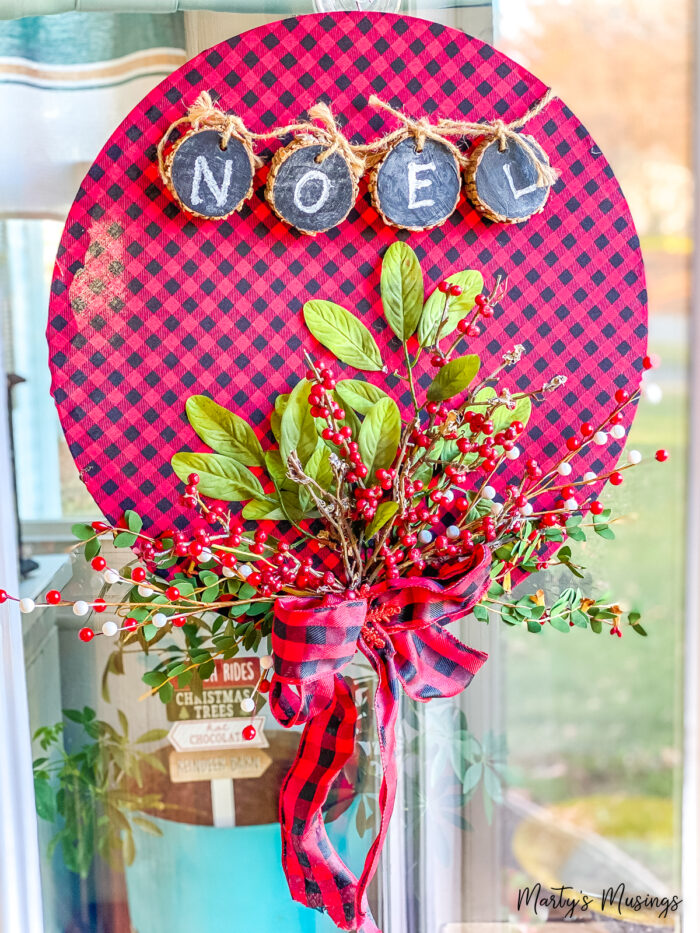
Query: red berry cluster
pixel 323 405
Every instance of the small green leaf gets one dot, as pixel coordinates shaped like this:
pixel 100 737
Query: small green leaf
pixel 82 532
pixel 471 283
pixel 471 778
pixel 134 522
pixel 357 395
pixel 152 679
pixel 298 429
pixel 402 289
pixel 276 416
pixel 604 531
pixel 380 435
pixel 481 613
pixel 454 377
pixel 147 825
pixel 124 539
pixel 553 534
pixel 44 799
pixel 92 548
pixel 343 334
pixel 219 477
pixel 258 511
pixel 166 693
pixel 503 417
pixel 385 512
pixel 318 467
pixel 224 431
pixel 153 735
pixel 561 625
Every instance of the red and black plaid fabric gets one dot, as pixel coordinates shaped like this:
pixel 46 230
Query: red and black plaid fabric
pixel 150 305
pixel 312 642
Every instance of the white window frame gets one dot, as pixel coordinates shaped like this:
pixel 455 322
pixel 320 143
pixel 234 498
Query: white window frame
pixel 690 831
pixel 20 882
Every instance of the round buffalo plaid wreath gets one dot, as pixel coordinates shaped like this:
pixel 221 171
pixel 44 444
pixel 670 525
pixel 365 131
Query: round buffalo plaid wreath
pixel 150 305
pixel 367 394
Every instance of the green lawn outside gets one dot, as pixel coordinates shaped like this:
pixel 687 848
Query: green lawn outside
pixel 589 715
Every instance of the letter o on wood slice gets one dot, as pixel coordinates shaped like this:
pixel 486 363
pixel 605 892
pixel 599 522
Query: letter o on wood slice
pixel 503 185
pixel 207 180
pixel 310 195
pixel 416 190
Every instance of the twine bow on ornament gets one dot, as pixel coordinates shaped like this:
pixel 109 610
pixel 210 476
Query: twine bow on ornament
pixel 506 133
pixel 398 626
pixel 420 128
pixel 329 136
pixel 204 114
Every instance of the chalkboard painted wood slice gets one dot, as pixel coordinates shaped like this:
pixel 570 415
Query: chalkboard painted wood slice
pixel 311 195
pixel 502 185
pixel 208 180
pixel 416 190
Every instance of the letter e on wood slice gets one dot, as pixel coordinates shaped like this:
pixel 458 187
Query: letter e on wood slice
pixel 416 190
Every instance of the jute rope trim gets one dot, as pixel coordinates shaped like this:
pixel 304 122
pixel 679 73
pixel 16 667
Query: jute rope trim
pixel 204 113
pixel 420 129
pixel 504 133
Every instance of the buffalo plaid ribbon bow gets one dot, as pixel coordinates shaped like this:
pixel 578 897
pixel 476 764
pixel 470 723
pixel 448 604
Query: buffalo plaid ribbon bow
pixel 399 628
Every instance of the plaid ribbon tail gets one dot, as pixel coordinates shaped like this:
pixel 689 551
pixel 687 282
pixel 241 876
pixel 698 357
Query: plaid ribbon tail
pixel 312 642
pixel 316 874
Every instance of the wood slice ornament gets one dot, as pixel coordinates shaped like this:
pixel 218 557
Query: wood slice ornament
pixel 313 182
pixel 310 186
pixel 503 181
pixel 416 185
pixel 209 170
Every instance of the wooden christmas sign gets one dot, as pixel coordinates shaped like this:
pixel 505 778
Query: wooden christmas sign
pixel 223 694
pixel 223 764
pixel 217 733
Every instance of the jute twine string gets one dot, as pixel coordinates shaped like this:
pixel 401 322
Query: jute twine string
pixel 329 135
pixel 421 129
pixel 505 132
pixel 204 113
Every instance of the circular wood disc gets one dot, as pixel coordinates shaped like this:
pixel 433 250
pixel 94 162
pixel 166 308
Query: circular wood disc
pixel 309 194
pixel 502 184
pixel 208 180
pixel 150 305
pixel 416 190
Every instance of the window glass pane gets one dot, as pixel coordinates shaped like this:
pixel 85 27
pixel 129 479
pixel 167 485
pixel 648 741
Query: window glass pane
pixel 48 485
pixel 593 724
